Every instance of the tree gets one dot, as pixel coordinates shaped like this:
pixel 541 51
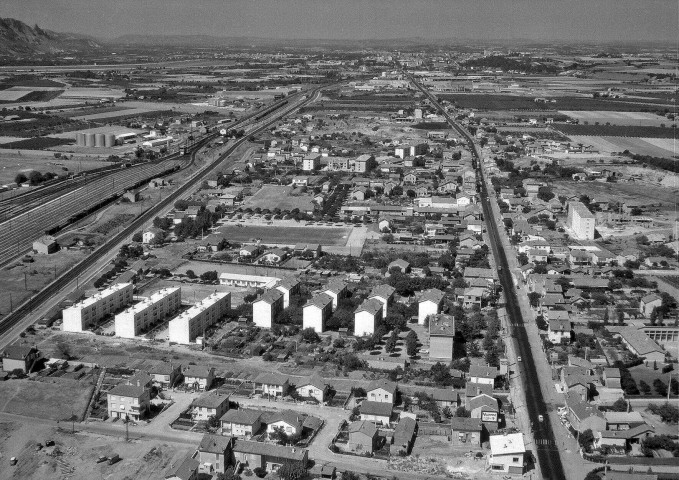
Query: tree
pixel 213 421
pixel 411 343
pixel 209 276
pixel 309 335
pixel 390 345
pixel 20 178
pixel 292 471
pixel 138 237
pixel 63 350
pixel 534 298
pixel 586 439
pixel 644 387
pixel 462 412
pixel 191 274
pixel 620 405
pixel 278 435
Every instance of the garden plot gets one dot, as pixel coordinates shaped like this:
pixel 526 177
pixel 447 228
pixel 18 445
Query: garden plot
pixel 617 118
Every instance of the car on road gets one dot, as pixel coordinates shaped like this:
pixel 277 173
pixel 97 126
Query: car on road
pixel 541 418
pixel 13 461
pixel 518 359
pixel 102 458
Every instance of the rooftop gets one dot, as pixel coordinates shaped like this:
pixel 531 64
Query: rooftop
pixel 242 416
pixel 215 443
pixel 442 325
pixel 381 409
pixel 507 444
pixel 212 399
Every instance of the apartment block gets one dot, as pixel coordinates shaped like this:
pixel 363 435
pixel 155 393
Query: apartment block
pixel 82 315
pixel 581 221
pixel 141 317
pixel 190 324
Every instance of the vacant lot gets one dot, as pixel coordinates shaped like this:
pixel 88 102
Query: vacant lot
pixel 513 102
pixel 620 192
pixel 52 401
pixel 272 197
pixel 288 235
pixel 656 147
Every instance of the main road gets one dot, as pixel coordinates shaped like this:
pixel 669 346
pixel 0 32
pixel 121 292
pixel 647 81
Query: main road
pixel 549 460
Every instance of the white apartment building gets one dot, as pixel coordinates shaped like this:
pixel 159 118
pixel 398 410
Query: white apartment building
pixel 267 308
pixel 311 162
pixel 139 318
pixel 581 221
pixel 316 312
pixel 80 316
pixel 192 323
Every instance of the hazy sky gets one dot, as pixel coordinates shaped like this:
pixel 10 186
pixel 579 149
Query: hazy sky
pixel 597 20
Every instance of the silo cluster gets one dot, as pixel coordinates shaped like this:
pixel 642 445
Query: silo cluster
pixel 98 140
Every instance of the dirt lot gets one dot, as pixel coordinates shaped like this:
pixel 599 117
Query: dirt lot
pixel 288 235
pixel 620 192
pixel 51 401
pixel 74 455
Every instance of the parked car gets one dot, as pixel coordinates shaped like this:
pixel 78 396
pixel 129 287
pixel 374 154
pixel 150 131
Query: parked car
pixel 102 458
pixel 13 461
pixel 115 458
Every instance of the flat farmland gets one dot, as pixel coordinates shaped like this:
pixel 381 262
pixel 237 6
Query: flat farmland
pixel 118 112
pixel 620 192
pixel 617 130
pixel 656 147
pixel 288 235
pixel 618 118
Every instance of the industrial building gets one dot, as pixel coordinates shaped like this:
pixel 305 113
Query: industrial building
pixel 141 317
pixel 84 314
pixel 192 323
pixel 581 221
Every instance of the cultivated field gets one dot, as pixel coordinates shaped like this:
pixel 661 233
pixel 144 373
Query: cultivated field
pixel 123 112
pixel 656 147
pixel 288 235
pixel 51 401
pixel 618 131
pixel 617 118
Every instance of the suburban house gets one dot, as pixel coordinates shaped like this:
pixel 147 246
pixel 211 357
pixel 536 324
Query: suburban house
pixel 271 384
pixel 623 439
pixel 482 374
pixel 266 455
pixel 648 303
pixel 165 375
pixel 242 423
pixel 382 391
pixel 19 357
pixel 210 404
pixel 445 398
pixel 584 416
pixel 45 245
pixel 466 431
pixel 185 469
pixel 385 295
pixel 199 377
pixel 313 387
pixel 288 420
pixel 267 308
pixel 404 434
pixel 151 234
pixel 249 251
pixel 214 453
pixel 430 303
pixel 376 412
pixel 559 331
pixel 485 408
pixel 611 377
pixel 362 436
pixel 128 401
pixel 367 317
pixel 400 264
pixel 316 312
pixel 507 453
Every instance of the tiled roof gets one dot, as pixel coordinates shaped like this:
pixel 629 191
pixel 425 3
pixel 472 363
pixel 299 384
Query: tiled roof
pixel 385 385
pixel 242 416
pixel 363 426
pixel 382 409
pixel 215 443
pixel 269 450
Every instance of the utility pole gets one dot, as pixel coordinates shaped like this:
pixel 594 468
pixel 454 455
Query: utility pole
pixel 127 427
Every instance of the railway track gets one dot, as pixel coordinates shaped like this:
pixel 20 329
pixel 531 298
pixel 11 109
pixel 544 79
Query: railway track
pixel 53 288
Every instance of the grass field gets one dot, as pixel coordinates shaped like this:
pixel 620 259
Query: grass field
pixel 288 235
pixel 272 197
pixel 12 163
pixel 52 401
pixel 618 131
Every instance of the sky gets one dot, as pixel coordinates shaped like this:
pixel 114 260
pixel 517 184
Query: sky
pixel 573 20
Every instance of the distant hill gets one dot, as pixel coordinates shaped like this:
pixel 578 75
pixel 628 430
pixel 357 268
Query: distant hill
pixel 17 38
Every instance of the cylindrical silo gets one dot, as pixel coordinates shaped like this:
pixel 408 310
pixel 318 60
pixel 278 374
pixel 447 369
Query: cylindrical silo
pixel 99 140
pixel 89 140
pixel 110 140
pixel 80 139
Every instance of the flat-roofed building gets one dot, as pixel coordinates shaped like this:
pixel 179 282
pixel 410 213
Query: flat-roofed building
pixel 84 314
pixel 581 221
pixel 188 325
pixel 140 317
